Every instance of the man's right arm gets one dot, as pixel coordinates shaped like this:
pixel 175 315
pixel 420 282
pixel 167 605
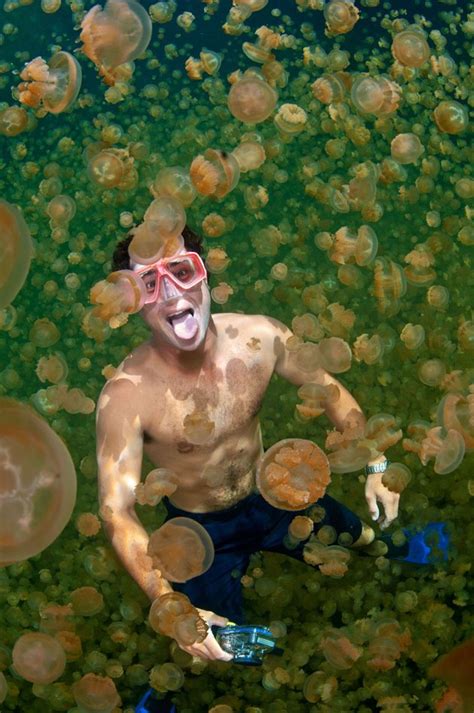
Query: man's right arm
pixel 119 458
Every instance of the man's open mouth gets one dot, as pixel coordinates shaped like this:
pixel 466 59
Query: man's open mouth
pixel 179 315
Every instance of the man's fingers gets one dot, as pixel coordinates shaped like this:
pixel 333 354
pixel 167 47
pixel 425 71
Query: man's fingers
pixel 373 507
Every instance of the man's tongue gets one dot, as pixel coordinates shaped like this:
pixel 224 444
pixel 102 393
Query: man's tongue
pixel 184 325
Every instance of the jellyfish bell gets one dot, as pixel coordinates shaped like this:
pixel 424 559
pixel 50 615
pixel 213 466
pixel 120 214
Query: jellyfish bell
pixel 293 474
pixel 329 89
pixel 375 95
pixel 290 119
pixel 215 173
pixel 13 121
pixel 250 155
pixel 410 47
pixel 181 549
pixel 16 252
pixel 37 483
pixel 121 292
pixel 406 148
pixel 167 215
pixel 53 85
pixel 251 99
pixel 175 182
pixel 119 33
pixel 340 16
pixel 451 117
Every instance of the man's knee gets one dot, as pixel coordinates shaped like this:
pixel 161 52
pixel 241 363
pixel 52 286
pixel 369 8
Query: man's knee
pixel 366 537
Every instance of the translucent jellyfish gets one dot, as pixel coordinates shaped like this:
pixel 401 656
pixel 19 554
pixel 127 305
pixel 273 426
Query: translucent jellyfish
pixel 290 119
pixel 332 561
pixel 13 120
pixel 349 458
pixel 451 117
pixel 215 173
pixel 250 155
pixel 3 687
pixel 44 333
pixel 221 293
pixel 214 225
pixel 38 658
pixel 419 271
pixel 389 285
pixel 16 251
pixel 95 693
pixel 431 372
pixel 335 355
pixel 375 95
pixel 340 16
pixel 368 349
pixel 53 368
pixel 167 677
pixel 307 357
pixel 114 35
pixel 86 601
pixel 438 297
pixel 56 617
pixel 158 483
pixel 61 209
pixel 109 168
pixel 198 428
pixel 217 261
pixel 456 411
pixel 292 474
pixel 455 667
pixel 338 649
pixel 149 245
pixel 413 336
pixel 173 615
pixel 446 447
pixel 251 99
pixel 300 528
pixel 306 325
pixel 319 685
pixel 121 293
pixel 174 182
pixel 54 85
pixel 410 47
pixel 406 148
pixel 396 477
pixel 181 549
pixel 167 216
pixel 315 398
pixel 329 89
pixel 37 483
pixel 383 431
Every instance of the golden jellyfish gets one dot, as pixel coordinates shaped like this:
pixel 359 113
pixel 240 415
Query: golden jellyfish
pixel 349 458
pixel 109 168
pixel 340 16
pixel 293 474
pixel 307 325
pixel 55 617
pixel 52 368
pixel 95 693
pixel 257 52
pixel 86 601
pixel 413 336
pixel 214 225
pixel 332 560
pixel 456 411
pixel 250 155
pixel 158 483
pixel 167 677
pixel 173 615
pixel 53 85
pixel 221 293
pixel 431 372
pixel 389 285
pixel 438 297
pixel 375 95
pixel 329 89
pixel 251 99
pixel 382 430
pixel 114 35
pixel 447 447
pixel 215 173
pixel 396 477
pixel 121 292
pixel 13 121
pixel 368 349
pixel 455 668
pixel 38 658
pixel 315 398
pixel 16 252
pixel 410 47
pixel 181 549
pixel 198 428
pixel 275 73
pixel 307 356
pixel 217 261
pixel 61 209
pixel 338 649
pixel 419 271
pixel 290 119
pixel 44 333
pixel 406 148
pixel 148 245
pixel 451 117
pixel 167 216
pixel 300 528
pixel 174 182
pixel 318 686
pixel 335 355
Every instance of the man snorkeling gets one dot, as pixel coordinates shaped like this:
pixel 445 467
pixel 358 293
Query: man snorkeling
pixel 219 365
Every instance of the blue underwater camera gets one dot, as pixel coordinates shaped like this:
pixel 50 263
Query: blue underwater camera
pixel 248 644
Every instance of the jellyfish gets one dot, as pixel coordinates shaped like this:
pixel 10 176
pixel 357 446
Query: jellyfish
pixel 114 35
pixel 158 483
pixel 181 549
pixel 410 47
pixel 451 117
pixel 217 261
pixel 38 658
pixel 455 667
pixel 53 368
pixel 198 428
pixel 340 16
pixel 250 155
pixel 419 271
pixel 174 182
pixel 221 293
pixel 16 252
pixel 383 431
pixel 215 173
pixel 335 355
pixel 431 372
pixel 167 216
pixel 375 95
pixel 95 693
pixel 406 148
pixel 110 168
pixel 167 677
pixel 396 477
pixel 338 649
pixel 251 99
pixel 53 85
pixel 121 292
pixel 413 336
pixel 446 447
pixel 214 225
pixel 329 89
pixel 173 615
pixel 368 349
pixel 290 119
pixel 389 285
pixel 293 474
pixel 148 244
pixel 456 411
pixel 38 483
pixel 315 398
pixel 86 601
pixel 61 209
pixel 13 120
pixel 332 560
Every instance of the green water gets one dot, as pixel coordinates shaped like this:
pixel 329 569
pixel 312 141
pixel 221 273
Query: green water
pixel 165 119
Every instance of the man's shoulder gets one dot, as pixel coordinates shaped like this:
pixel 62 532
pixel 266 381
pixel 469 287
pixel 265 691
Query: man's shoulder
pixel 128 381
pixel 252 320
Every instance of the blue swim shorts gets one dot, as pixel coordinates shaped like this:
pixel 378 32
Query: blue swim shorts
pixel 252 525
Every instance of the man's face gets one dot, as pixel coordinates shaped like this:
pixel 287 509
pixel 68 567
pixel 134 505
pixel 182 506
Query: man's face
pixel 179 317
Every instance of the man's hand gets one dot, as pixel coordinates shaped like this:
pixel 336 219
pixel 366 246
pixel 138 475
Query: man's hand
pixel 375 491
pixel 209 648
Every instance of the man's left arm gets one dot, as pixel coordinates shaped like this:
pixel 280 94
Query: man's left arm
pixel 286 366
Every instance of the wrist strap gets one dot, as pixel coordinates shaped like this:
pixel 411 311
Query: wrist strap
pixel 377 468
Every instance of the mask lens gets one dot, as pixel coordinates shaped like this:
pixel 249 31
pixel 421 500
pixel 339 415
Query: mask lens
pixel 182 270
pixel 149 279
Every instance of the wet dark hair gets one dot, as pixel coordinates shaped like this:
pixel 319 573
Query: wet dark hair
pixel 121 258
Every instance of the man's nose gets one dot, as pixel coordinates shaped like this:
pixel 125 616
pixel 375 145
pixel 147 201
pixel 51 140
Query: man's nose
pixel 168 289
